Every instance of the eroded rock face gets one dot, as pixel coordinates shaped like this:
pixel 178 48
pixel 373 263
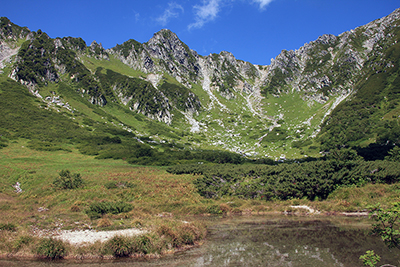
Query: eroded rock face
pixel 325 68
pixel 321 68
pixel 7 52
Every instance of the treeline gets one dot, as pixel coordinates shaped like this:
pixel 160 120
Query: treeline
pixel 312 180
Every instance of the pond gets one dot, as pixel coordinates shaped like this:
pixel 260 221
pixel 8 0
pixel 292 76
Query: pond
pixel 266 241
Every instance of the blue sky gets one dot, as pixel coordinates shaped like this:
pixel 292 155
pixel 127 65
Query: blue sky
pixel 252 30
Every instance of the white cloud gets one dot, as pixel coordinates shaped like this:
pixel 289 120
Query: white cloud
pixel 262 3
pixel 205 13
pixel 172 11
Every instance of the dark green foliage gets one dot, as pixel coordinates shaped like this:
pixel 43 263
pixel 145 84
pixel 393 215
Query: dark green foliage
pixel 114 185
pixel 10 30
pixel 277 134
pixel 214 209
pixel 8 227
pixel 143 244
pixel 143 92
pixel 376 95
pixel 74 43
pixel 98 209
pixel 315 179
pixel 34 63
pixel 394 154
pixel 68 180
pixel 387 224
pixel 301 143
pixel 50 248
pixel 22 117
pixel 119 246
pixel 37 59
pixel 180 96
pixel 277 81
pixel 127 47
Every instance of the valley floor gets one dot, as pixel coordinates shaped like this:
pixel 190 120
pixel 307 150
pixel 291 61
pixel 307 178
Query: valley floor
pixel 165 209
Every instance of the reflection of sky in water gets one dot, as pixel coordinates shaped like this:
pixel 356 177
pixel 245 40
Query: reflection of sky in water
pixel 294 242
pixel 268 241
pixel 239 254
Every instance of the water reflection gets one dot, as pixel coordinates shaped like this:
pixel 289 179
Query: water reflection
pixel 267 241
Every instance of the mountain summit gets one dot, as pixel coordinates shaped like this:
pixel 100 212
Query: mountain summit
pixel 336 91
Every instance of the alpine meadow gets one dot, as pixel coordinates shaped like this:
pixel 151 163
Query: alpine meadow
pixel 147 135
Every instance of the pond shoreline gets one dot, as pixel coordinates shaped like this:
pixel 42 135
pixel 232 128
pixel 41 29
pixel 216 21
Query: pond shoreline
pixel 69 236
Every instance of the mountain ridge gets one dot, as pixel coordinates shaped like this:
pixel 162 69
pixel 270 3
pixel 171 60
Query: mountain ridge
pixel 231 104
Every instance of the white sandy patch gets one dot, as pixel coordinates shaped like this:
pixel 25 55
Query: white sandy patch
pixel 310 210
pixel 91 236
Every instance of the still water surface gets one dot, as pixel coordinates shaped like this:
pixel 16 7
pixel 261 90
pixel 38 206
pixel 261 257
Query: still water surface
pixel 265 241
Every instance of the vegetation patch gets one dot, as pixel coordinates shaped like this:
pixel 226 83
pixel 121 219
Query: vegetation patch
pixel 50 248
pixel 98 209
pixel 66 180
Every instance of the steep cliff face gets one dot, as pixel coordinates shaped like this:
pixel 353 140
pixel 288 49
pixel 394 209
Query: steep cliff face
pixel 325 68
pixel 9 36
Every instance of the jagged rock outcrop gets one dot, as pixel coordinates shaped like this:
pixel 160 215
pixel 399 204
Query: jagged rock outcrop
pixel 323 72
pixel 98 51
pixel 329 65
pixel 9 35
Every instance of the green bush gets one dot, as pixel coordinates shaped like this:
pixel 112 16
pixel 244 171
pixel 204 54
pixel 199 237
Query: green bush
pixel 145 244
pixel 50 248
pixel 111 185
pixel 98 209
pixel 311 180
pixel 214 209
pixel 114 185
pixel 119 246
pixel 66 180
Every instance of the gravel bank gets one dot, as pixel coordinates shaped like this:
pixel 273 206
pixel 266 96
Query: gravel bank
pixel 91 236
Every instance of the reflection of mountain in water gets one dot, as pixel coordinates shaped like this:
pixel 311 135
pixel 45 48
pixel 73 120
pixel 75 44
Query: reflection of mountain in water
pixel 291 243
pixel 265 241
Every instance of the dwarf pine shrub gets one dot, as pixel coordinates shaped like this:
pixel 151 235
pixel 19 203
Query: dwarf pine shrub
pixel 50 248
pixel 66 180
pixel 98 209
pixel 119 246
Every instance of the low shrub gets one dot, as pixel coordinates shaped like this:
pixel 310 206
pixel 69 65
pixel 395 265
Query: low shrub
pixel 66 180
pixel 50 248
pixel 22 241
pixel 98 209
pixel 114 185
pixel 214 209
pixel 145 244
pixel 180 234
pixel 110 185
pixel 104 222
pixel 8 227
pixel 119 246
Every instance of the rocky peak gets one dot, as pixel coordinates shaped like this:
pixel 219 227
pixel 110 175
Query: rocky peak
pixel 10 31
pixel 166 45
pixel 98 51
pixel 95 45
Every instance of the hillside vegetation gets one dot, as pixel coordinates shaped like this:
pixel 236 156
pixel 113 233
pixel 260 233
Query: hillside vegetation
pixel 145 133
